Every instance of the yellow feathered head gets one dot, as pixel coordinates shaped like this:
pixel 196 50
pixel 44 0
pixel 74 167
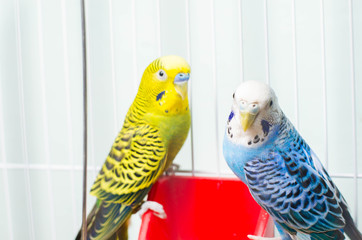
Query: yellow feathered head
pixel 164 86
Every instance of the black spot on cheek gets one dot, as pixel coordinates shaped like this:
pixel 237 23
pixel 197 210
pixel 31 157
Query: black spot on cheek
pixel 266 127
pixel 160 95
pixel 249 143
pixel 166 111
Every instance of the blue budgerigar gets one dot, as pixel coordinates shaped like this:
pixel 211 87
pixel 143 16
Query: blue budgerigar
pixel 283 174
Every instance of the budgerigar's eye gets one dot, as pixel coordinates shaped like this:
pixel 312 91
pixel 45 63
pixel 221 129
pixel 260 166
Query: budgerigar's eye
pixel 233 95
pixel 161 74
pixel 242 104
pixel 254 108
pixel 271 103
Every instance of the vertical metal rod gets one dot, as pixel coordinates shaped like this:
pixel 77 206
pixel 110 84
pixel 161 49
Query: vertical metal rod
pixel 188 46
pixel 90 130
pixel 213 51
pixel 324 81
pixel 45 118
pixel 113 68
pixel 266 33
pixel 158 27
pixel 69 112
pixel 134 45
pixel 295 65
pixel 353 99
pixel 241 41
pixel 22 120
pixel 5 169
pixel 85 126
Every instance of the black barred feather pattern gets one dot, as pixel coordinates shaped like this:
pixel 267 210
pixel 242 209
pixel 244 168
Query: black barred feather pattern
pixel 155 66
pixel 291 184
pixel 107 220
pixel 136 160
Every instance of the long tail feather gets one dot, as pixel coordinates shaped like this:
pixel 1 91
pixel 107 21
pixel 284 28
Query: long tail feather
pixel 350 228
pixel 90 216
pixel 107 221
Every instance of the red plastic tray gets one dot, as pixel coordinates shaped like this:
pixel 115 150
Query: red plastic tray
pixel 204 208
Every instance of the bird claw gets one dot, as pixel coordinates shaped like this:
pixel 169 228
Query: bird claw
pixel 172 169
pixel 263 238
pixel 155 207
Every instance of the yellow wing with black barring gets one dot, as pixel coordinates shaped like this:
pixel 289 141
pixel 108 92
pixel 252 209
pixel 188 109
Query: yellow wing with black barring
pixel 137 158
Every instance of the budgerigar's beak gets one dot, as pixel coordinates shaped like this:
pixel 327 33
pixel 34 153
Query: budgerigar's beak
pixel 180 82
pixel 247 119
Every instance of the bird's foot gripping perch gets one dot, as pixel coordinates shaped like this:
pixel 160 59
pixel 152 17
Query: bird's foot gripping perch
pixel 155 207
pixel 263 238
pixel 172 169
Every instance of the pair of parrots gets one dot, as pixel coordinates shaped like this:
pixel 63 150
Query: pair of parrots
pixel 261 146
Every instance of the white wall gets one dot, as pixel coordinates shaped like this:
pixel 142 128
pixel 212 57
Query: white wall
pixel 309 51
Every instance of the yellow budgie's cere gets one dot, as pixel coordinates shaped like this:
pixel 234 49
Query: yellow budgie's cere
pixel 154 130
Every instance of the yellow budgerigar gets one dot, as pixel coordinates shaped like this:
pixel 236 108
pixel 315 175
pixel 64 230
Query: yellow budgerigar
pixel 154 130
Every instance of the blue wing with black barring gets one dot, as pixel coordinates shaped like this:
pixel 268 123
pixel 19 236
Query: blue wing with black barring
pixel 298 196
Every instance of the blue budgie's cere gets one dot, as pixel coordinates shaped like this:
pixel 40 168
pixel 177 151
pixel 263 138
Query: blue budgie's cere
pixel 283 174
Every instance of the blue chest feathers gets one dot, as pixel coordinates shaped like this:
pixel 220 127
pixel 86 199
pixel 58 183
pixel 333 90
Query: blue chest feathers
pixel 237 156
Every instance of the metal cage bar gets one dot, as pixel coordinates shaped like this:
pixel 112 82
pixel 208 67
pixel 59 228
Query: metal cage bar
pixel 85 80
pixel 353 102
pixel 134 45
pixel 65 167
pixel 68 109
pixel 113 67
pixel 158 27
pixel 44 116
pixel 240 13
pixel 324 82
pixel 295 65
pixel 188 49
pixel 22 118
pixel 5 170
pixel 266 33
pixel 214 78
